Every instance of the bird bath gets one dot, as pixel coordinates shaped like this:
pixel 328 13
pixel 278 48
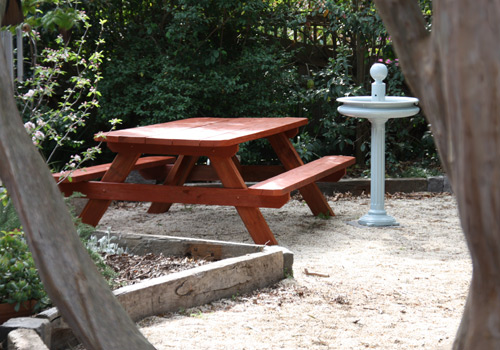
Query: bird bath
pixel 378 109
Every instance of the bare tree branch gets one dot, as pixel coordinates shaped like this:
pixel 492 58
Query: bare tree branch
pixel 68 274
pixel 455 72
pixel 404 21
pixel 3 4
pixel 419 60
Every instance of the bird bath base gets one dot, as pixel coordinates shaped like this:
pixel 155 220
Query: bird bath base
pixel 377 218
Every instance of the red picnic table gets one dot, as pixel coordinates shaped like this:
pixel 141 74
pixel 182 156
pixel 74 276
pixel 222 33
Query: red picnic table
pixel 180 144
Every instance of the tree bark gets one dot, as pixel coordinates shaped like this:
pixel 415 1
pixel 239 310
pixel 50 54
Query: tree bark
pixel 455 72
pixel 68 274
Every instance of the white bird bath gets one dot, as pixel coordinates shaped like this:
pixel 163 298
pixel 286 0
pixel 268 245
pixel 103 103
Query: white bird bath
pixel 378 109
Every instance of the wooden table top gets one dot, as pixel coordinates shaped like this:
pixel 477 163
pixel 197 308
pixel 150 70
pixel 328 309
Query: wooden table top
pixel 204 132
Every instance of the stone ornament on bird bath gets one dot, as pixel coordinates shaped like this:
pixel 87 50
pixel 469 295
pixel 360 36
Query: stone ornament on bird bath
pixel 378 109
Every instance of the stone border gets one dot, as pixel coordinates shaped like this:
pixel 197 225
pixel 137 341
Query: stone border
pixel 240 268
pixel 434 184
pixel 358 185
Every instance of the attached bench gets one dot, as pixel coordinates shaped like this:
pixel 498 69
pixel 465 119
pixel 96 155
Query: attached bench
pixel 304 175
pixel 250 173
pixel 271 193
pixel 97 171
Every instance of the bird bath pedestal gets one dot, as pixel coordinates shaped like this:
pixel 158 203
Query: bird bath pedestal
pixel 378 109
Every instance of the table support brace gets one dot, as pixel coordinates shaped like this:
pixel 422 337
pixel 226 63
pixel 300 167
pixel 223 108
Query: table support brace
pixel 290 160
pixel 176 177
pixel 120 168
pixel 252 217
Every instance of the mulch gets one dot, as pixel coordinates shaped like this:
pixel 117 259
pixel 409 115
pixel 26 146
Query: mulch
pixel 133 269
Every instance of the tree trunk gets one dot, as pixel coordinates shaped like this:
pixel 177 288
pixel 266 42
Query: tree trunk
pixel 68 274
pixel 455 72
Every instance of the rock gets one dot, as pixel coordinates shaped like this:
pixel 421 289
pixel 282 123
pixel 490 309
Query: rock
pixel 25 339
pixel 39 325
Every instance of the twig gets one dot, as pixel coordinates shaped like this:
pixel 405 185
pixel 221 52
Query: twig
pixel 306 271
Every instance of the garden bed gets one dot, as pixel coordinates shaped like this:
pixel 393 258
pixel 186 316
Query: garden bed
pixel 234 269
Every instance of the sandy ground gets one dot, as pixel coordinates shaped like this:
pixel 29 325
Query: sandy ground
pixel 377 288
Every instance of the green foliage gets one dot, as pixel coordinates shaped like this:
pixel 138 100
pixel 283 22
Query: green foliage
pixel 107 272
pixel 194 59
pixel 9 220
pixel 19 280
pixel 168 60
pixel 52 15
pixel 59 94
pixel 359 39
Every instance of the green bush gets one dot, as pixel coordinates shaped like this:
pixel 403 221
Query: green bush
pixel 193 58
pixel 220 58
pixel 357 38
pixel 19 280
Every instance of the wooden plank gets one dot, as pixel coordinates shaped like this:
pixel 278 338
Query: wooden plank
pixel 304 175
pixel 260 267
pixel 120 168
pixel 140 134
pixel 97 171
pixel 203 284
pixel 141 244
pixel 204 132
pixel 239 130
pixel 290 160
pixel 177 177
pixel 250 173
pixel 227 151
pixel 205 252
pixel 177 194
pixel 251 217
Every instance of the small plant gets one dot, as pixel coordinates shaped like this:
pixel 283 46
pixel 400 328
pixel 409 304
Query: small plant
pixel 9 220
pixel 19 280
pixel 12 240
pixel 196 313
pixel 288 273
pixel 323 216
pixel 104 245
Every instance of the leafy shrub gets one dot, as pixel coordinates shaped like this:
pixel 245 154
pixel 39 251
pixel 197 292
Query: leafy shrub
pixel 358 39
pixel 19 280
pixel 211 58
pixel 58 95
pixel 196 59
pixel 20 284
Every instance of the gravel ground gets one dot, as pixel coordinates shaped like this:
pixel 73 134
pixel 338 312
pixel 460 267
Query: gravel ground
pixel 353 287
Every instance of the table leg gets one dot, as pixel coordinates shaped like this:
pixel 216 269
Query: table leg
pixel 120 168
pixel 252 217
pixel 291 159
pixel 176 177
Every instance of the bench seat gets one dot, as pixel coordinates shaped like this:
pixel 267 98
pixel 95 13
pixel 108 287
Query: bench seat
pixel 97 171
pixel 303 175
pixel 271 193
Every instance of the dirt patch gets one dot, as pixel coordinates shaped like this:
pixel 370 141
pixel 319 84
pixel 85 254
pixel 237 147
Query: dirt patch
pixel 353 288
pixel 132 269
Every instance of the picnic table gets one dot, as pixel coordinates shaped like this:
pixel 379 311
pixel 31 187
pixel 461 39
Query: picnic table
pixel 177 146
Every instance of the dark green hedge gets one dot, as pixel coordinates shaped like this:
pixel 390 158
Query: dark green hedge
pixel 196 58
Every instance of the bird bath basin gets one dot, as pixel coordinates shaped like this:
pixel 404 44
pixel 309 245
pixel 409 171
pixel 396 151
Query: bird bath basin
pixel 378 109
